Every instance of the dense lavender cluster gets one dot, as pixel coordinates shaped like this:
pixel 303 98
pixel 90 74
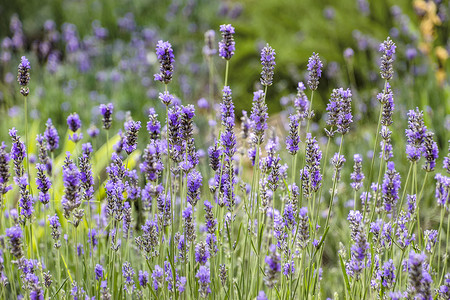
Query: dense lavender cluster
pixel 139 219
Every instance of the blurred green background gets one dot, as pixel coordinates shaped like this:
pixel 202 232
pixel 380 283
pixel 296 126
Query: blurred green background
pixel 84 53
pixel 119 66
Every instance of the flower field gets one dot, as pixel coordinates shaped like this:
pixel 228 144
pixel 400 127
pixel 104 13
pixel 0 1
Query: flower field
pixel 146 176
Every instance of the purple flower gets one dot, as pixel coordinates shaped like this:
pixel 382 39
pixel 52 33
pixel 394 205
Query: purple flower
pixel 289 216
pixel 416 271
pixel 315 71
pixel 261 296
pixel 202 103
pixel 23 75
pixel 43 184
pixel 152 165
pixel 442 190
pixel 14 234
pixel 289 268
pixel 388 50
pixel 189 227
pixel 148 242
pixel 293 139
pixel 51 135
pixel 227 108
pixel 360 248
pixel 386 98
pixel 202 253
pixel 301 102
pixel 357 176
pixel 106 111
pixel 390 187
pixel 430 152
pixel 143 278
pixel 273 267
pixel 55 226
pixel 157 277
pixel 444 290
pixel 268 65
pixel 337 161
pixel 339 111
pixel 348 53
pixel 130 140
pixel 98 272
pixel 203 281
pixel 165 56
pixel 128 273
pixel 4 172
pixel 431 238
pixel 74 122
pixel 166 98
pixel 387 274
pixel 153 125
pixel 71 179
pixel 214 153
pixel 310 174
pixel 415 134
pixel 259 117
pixel 194 183
pixel 227 44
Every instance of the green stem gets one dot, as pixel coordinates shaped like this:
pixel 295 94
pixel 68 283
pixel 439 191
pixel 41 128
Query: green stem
pixel 226 72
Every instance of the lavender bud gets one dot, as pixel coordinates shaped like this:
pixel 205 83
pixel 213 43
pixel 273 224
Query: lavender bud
pixel 227 44
pixel 357 176
pixel 390 187
pixel 430 151
pixel 259 117
pixel 107 111
pixel 51 135
pixel 388 50
pixel 315 71
pixel 166 59
pixel 132 130
pixel 23 76
pixel 293 139
pixel 15 236
pixel 268 65
pixel 4 172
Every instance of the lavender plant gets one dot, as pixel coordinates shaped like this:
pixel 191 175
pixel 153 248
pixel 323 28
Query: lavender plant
pixel 173 220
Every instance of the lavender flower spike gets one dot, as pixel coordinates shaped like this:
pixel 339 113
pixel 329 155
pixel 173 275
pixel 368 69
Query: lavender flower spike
pixel 388 50
pixel 203 280
pixel 259 117
pixel 43 184
pixel 23 76
pixel 51 135
pixel 268 65
pixel 227 44
pixel 315 71
pixel 293 139
pixel 357 176
pixel 15 236
pixel 130 141
pixel 74 123
pixel 107 111
pixel 166 58
pixel 430 151
pixel 390 187
pixel 4 172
